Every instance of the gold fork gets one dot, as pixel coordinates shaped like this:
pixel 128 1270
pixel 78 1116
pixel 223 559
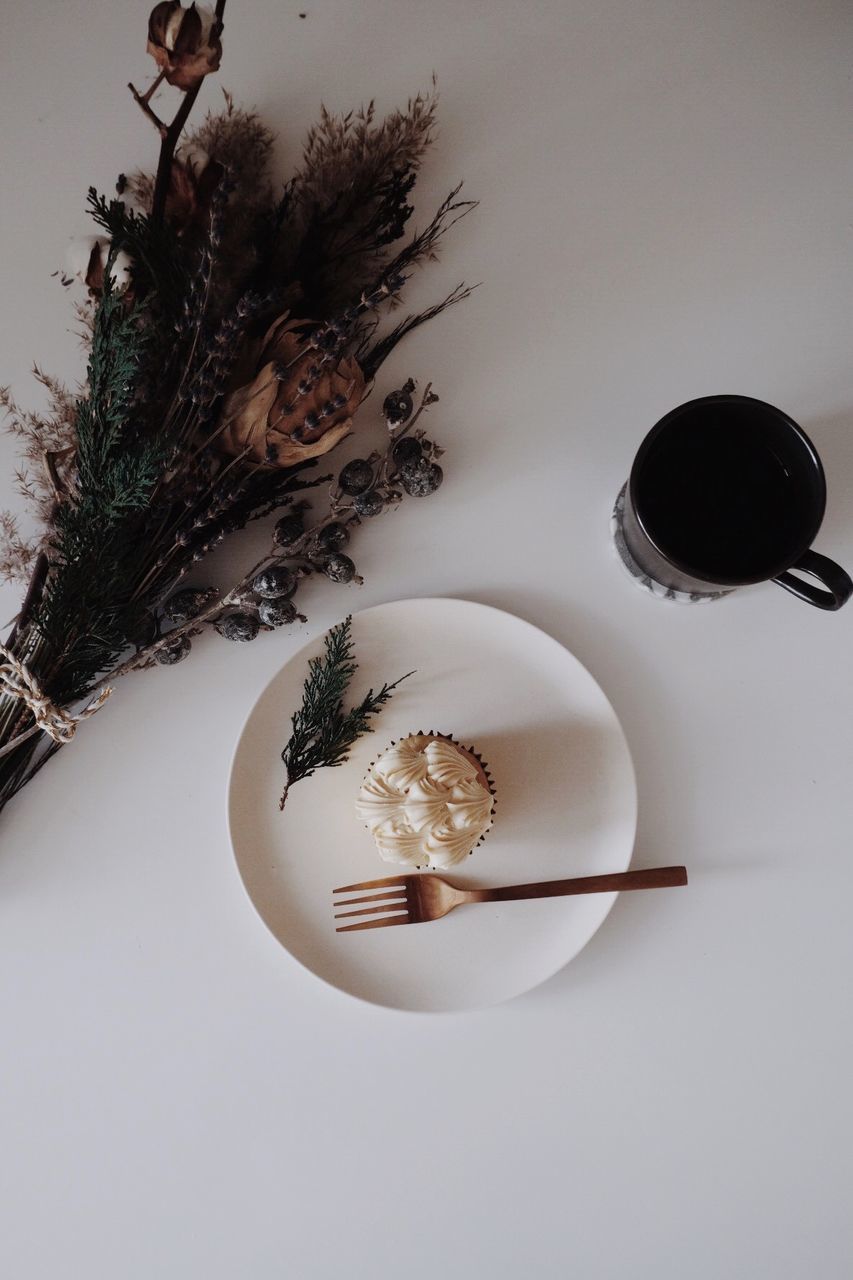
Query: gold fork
pixel 419 898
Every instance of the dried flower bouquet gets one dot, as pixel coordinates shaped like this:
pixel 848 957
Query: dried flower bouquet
pixel 233 334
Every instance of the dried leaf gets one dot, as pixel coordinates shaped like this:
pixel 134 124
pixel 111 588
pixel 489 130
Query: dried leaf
pixel 192 182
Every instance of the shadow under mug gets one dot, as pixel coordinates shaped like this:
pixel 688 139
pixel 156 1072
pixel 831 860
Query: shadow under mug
pixel 726 491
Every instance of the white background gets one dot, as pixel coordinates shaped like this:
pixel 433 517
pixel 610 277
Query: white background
pixel 665 213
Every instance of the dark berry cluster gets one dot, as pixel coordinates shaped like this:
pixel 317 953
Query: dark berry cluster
pixel 364 488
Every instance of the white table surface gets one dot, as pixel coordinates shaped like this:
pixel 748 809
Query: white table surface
pixel 665 214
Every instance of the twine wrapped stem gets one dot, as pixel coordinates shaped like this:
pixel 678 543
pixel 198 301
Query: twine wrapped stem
pixel 17 681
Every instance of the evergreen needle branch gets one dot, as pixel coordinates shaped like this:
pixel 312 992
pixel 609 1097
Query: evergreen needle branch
pixel 322 732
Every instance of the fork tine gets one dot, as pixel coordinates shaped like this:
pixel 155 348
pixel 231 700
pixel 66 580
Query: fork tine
pixel 386 907
pixel 372 897
pixel 395 882
pixel 373 924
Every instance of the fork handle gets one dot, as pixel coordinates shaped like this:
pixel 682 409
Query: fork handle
pixel 654 878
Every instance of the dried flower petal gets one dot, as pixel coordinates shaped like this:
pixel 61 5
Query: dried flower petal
pixel 285 414
pixel 193 179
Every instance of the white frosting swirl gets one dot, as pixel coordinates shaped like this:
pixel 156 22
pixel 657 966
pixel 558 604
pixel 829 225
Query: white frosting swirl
pixel 425 803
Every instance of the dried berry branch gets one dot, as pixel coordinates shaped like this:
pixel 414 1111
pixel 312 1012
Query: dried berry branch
pixel 262 599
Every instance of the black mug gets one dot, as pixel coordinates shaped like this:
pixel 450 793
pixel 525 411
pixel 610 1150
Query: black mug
pixel 727 491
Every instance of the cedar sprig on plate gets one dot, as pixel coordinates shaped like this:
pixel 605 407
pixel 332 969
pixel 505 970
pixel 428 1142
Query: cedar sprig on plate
pixel 322 732
pixel 233 333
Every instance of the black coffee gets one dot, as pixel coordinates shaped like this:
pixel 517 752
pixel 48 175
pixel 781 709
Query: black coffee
pixel 720 495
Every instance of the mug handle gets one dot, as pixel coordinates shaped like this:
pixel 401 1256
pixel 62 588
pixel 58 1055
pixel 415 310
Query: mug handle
pixel 839 586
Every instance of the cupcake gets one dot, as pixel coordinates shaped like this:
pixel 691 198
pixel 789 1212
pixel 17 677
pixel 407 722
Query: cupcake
pixel 427 801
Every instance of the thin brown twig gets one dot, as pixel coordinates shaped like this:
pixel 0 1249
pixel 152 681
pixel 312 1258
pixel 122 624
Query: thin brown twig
pixel 141 101
pixel 31 599
pixel 15 742
pixel 172 137
pixel 49 463
pixel 152 88
pixel 144 656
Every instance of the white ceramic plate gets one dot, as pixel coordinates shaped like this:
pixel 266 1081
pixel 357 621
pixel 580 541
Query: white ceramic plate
pixel 566 806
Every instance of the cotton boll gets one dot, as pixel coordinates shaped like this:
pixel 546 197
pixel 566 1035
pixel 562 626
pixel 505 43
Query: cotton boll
pixel 132 202
pixel 173 26
pixel 86 260
pixel 79 255
pixel 193 157
pixel 121 270
pixel 184 42
pixel 207 16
